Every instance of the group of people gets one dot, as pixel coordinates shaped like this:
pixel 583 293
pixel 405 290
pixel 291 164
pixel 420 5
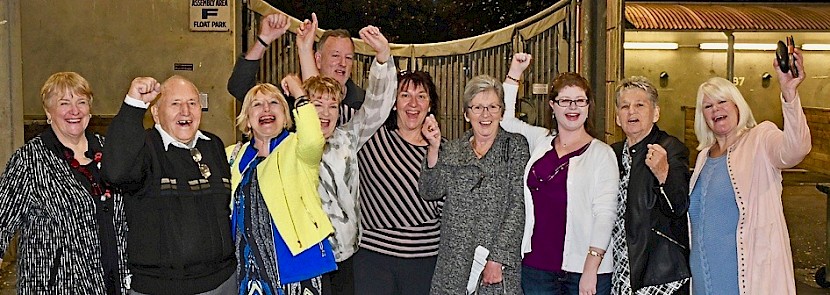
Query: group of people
pixel 341 190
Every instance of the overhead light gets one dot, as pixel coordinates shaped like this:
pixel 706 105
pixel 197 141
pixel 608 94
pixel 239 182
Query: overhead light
pixel 815 46
pixel 738 46
pixel 650 45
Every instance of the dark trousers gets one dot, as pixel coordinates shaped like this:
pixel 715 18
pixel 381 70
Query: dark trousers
pixel 342 279
pixel 228 287
pixel 539 282
pixel 381 274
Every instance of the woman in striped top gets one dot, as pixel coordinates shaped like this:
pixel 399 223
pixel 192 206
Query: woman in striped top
pixel 400 231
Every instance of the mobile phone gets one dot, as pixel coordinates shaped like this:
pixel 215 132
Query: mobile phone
pixel 791 53
pixel 783 56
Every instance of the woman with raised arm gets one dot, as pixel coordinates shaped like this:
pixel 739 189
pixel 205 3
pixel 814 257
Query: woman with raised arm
pixel 570 189
pixel 740 243
pixel 278 222
pixel 339 174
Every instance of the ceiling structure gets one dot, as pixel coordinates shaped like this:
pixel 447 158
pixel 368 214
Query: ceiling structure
pixel 736 17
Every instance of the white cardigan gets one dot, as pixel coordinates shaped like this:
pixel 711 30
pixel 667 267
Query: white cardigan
pixel 593 183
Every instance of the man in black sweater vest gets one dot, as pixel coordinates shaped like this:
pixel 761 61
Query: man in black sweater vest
pixel 175 181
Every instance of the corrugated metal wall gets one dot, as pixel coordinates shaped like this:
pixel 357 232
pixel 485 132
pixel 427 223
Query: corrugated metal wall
pixel 550 47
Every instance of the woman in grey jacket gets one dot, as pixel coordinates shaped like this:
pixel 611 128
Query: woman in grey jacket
pixel 480 175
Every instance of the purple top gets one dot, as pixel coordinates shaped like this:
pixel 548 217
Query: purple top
pixel 547 181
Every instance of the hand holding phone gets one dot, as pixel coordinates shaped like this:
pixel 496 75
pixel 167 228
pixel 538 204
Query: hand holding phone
pixel 791 53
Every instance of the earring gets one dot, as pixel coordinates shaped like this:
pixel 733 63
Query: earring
pixel 49 121
pixel 90 116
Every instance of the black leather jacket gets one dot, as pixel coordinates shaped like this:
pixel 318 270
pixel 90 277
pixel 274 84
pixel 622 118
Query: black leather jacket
pixel 656 222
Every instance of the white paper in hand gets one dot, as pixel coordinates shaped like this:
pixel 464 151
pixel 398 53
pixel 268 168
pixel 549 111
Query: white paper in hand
pixel 479 261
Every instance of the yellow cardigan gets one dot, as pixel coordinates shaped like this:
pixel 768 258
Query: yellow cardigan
pixel 288 178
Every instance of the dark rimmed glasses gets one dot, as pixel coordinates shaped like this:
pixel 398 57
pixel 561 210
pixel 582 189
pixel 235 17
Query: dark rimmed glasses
pixel 581 102
pixel 478 109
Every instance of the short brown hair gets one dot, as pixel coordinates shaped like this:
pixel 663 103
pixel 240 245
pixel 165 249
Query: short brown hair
pixel 339 33
pixel 566 79
pixel 319 85
pixel 62 83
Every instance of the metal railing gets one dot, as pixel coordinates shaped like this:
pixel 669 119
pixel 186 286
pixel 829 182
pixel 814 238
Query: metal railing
pixel 547 36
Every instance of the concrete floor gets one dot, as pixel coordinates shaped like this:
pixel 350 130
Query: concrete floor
pixel 805 209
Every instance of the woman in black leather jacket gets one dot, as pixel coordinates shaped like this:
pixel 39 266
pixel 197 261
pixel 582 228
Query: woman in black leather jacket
pixel 650 237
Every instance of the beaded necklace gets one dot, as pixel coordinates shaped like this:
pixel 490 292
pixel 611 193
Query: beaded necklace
pixel 95 186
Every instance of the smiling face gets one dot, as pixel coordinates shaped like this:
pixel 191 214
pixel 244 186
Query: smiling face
pixel 335 58
pixel 178 109
pixel 721 116
pixel 571 117
pixel 636 114
pixel 411 106
pixel 328 110
pixel 486 123
pixel 266 116
pixel 69 113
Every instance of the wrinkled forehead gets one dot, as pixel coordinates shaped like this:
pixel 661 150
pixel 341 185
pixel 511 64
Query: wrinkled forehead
pixel 635 94
pixel 178 89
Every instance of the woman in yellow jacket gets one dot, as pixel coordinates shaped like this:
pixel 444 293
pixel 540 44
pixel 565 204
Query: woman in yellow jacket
pixel 279 224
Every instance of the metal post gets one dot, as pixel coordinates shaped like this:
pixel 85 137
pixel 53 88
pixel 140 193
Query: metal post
pixel 822 277
pixel 730 56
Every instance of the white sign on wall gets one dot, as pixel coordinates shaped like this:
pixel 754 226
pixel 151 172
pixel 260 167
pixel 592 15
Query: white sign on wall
pixel 210 15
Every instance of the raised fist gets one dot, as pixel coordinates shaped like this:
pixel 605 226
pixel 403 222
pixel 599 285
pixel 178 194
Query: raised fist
pixel 145 89
pixel 273 26
pixel 372 36
pixel 431 132
pixel 292 85
pixel 519 64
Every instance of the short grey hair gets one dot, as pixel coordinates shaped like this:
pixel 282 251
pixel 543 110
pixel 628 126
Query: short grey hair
pixel 636 82
pixel 479 84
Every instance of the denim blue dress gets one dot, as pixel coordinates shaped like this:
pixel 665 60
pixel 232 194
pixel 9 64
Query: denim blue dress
pixel 714 214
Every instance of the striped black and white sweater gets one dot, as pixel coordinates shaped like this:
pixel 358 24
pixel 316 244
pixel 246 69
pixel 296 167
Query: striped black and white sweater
pixel 59 250
pixel 394 219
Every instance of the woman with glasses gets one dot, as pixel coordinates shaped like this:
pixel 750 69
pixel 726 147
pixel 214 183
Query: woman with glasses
pixel 570 191
pixel 480 177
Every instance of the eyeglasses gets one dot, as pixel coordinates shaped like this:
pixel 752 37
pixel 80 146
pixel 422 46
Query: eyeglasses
pixel 478 109
pixel 582 102
pixel 197 157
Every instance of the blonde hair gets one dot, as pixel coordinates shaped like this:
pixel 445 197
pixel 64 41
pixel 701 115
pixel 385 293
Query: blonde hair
pixel 322 86
pixel 266 89
pixel 720 89
pixel 62 83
